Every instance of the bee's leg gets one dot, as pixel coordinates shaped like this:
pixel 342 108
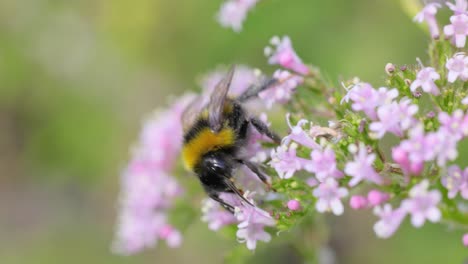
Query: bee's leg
pixel 254 90
pixel 239 192
pixel 257 171
pixel 226 206
pixel 263 129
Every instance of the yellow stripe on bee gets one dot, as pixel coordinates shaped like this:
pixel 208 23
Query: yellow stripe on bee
pixel 204 142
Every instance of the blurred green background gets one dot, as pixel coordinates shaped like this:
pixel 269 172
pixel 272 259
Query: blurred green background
pixel 77 77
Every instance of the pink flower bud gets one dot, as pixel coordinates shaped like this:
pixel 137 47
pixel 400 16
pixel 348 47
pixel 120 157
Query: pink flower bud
pixel 416 168
pixel 294 205
pixel 171 235
pixel 390 68
pixel 376 197
pixel 165 231
pixel 358 202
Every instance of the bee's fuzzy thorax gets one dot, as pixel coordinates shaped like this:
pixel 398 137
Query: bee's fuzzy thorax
pixel 204 141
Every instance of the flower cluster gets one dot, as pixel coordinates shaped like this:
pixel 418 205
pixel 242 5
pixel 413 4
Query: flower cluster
pixel 391 149
pixel 457 30
pixel 251 220
pixel 148 188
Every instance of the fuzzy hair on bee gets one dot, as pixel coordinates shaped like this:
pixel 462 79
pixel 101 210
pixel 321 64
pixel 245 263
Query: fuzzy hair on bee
pixel 214 136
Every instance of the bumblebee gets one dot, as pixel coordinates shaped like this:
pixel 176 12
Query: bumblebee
pixel 214 137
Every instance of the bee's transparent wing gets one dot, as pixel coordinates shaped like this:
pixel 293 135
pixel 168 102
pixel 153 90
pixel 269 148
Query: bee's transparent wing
pixel 217 100
pixel 192 112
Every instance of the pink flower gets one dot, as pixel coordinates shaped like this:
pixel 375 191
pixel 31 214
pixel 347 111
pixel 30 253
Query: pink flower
pixel 323 164
pixel 252 223
pixel 416 147
pixel 422 204
pixel 459 7
pixel 361 168
pixel 281 93
pixel 428 14
pixel 285 55
pixel 329 195
pixel 285 161
pixel 401 156
pixel 299 135
pixel 358 202
pixel 389 221
pixel 233 13
pixel 458 29
pixel 137 231
pixel 394 117
pixel 294 205
pixel 456 181
pixel 457 67
pixel 456 124
pixel 425 79
pixel 376 197
pixel 215 215
pixel 171 235
pixel 365 98
pixel 148 190
pixel 444 146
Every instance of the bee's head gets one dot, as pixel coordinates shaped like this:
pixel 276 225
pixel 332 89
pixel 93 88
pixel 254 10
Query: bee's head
pixel 217 163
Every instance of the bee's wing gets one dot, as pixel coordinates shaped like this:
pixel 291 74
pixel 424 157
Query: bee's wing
pixel 217 100
pixel 191 112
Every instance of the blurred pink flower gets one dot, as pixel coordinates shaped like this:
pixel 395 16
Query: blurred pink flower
pixel 457 67
pixel 361 168
pixel 455 125
pixel 171 235
pixel 425 79
pixel 376 197
pixel 456 181
pixel 329 195
pixel 412 152
pixel 284 55
pixel 422 204
pixel 233 13
pixel 428 14
pixel 215 215
pixel 253 221
pixel 444 146
pixel 458 29
pixel 285 161
pixel 465 240
pixel 389 221
pixel 459 7
pixel 323 164
pixel 148 189
pixel 358 202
